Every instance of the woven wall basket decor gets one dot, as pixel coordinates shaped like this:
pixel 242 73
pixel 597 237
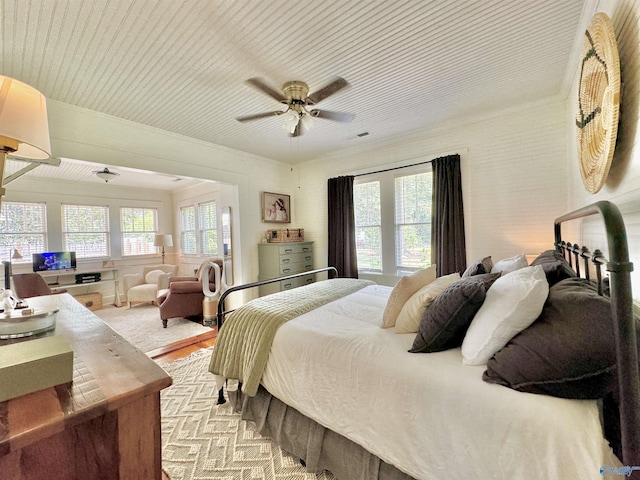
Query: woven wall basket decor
pixel 598 102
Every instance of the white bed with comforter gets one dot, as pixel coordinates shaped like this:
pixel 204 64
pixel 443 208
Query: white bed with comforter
pixel 427 414
pixel 322 377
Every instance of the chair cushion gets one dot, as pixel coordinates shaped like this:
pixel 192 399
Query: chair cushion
pixel 153 276
pixel 146 292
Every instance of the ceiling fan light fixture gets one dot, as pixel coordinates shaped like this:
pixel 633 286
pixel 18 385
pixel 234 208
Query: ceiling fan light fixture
pixel 291 119
pixel 307 121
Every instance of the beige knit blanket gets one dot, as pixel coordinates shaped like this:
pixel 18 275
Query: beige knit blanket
pixel 244 342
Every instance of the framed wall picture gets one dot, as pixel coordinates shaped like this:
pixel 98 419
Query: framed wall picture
pixel 276 207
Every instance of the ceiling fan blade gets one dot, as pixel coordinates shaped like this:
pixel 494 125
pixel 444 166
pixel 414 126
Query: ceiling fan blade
pixel 330 115
pixel 258 116
pixel 335 85
pixel 263 87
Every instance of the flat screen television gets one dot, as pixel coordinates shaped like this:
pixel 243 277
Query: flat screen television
pixel 46 261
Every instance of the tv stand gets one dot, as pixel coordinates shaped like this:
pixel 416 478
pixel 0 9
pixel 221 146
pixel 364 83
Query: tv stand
pixel 67 279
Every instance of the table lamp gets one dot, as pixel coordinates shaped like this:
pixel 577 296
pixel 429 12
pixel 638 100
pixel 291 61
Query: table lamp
pixel 163 241
pixel 8 267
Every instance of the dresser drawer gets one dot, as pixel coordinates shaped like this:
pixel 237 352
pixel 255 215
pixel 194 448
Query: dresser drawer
pixel 291 268
pixel 296 282
pixel 288 249
pixel 295 258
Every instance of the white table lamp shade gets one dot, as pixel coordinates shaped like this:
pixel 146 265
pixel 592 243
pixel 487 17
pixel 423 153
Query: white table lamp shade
pixel 163 241
pixel 23 118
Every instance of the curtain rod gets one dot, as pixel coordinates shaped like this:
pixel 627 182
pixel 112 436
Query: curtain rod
pixel 394 168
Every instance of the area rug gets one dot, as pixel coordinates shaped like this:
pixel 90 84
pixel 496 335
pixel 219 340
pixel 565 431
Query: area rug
pixel 141 326
pixel 203 440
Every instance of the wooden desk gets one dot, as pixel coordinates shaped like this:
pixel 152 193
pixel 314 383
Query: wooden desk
pixel 103 425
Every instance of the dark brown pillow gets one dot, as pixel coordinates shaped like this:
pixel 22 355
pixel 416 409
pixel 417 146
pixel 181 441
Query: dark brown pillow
pixel 555 267
pixel 445 322
pixel 568 352
pixel 480 266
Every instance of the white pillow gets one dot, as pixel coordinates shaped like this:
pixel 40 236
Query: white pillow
pixel 153 276
pixel 411 314
pixel 406 286
pixel 513 302
pixel 512 264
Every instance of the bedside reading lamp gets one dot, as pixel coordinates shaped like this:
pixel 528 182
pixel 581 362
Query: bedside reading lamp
pixel 163 241
pixel 24 129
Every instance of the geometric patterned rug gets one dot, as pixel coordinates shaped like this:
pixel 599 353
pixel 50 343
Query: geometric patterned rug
pixel 203 440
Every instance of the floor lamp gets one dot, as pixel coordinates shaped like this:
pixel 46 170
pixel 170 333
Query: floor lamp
pixel 163 241
pixel 24 129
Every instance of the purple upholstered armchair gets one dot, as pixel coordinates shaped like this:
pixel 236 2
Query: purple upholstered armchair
pixel 184 296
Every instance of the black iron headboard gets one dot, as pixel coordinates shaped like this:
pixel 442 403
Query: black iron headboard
pixel 620 269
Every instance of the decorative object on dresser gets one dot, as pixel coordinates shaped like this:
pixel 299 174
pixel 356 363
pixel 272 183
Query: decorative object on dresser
pixel 281 259
pixel 144 287
pixel 285 235
pixel 598 102
pixel 276 207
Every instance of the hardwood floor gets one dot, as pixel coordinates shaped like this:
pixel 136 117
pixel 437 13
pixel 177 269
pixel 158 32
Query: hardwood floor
pixel 184 348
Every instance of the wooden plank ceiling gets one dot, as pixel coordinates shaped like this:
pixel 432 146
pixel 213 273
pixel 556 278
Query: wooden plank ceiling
pixel 181 66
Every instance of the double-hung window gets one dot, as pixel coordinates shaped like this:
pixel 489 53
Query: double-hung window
pixel 23 227
pixel 138 227
pixel 208 227
pixel 366 199
pixel 85 230
pixel 393 220
pixel 188 230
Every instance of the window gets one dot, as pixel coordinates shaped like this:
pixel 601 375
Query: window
pixel 208 228
pixel 139 227
pixel 188 230
pixel 85 230
pixel 393 220
pixel 23 227
pixel 413 221
pixel 366 199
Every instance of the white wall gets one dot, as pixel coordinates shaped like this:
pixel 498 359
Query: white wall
pixel 54 194
pixel 623 183
pixel 86 135
pixel 513 166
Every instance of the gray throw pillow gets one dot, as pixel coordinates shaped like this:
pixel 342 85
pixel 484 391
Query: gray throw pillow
pixel 446 320
pixel 568 352
pixel 480 266
pixel 555 267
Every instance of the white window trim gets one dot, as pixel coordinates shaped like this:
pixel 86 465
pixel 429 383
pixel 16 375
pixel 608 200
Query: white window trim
pixel 387 207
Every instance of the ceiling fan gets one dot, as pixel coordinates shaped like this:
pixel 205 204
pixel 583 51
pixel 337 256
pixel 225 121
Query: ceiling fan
pixel 295 95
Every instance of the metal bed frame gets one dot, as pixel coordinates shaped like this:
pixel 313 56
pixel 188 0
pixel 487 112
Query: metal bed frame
pixel 332 271
pixel 624 326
